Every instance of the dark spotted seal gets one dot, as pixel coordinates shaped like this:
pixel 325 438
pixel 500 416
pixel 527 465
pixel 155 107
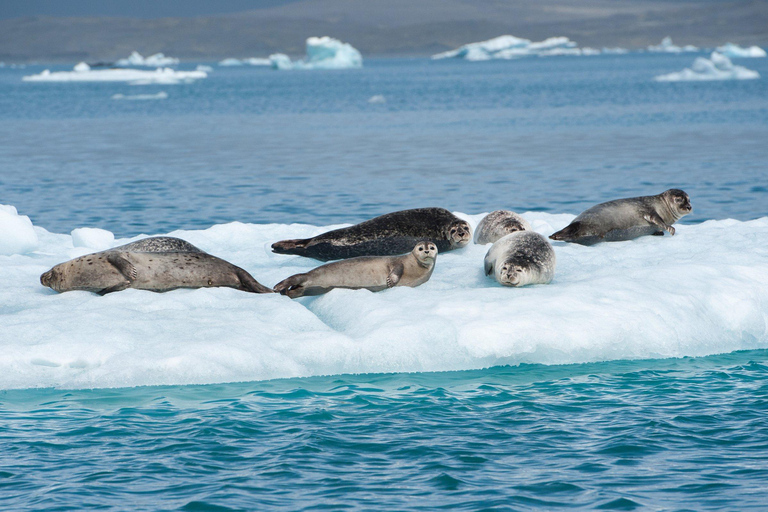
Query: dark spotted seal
pixel 521 258
pixel 158 264
pixel 387 235
pixel 374 273
pixel 625 219
pixel 497 224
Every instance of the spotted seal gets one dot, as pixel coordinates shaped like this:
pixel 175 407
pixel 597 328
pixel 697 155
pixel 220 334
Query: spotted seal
pixel 387 235
pixel 497 224
pixel 158 264
pixel 521 258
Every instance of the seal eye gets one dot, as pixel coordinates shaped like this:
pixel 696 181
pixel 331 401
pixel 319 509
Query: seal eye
pixel 421 249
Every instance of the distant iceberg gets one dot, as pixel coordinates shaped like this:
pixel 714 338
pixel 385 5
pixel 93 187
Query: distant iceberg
pixel 717 67
pixel 322 53
pixel 252 61
pixel 614 51
pixel 737 52
pixel 666 46
pixel 511 47
pixel 83 73
pixel 162 95
pixel 153 61
pixel 204 68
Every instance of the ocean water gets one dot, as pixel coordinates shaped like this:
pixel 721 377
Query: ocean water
pixel 636 380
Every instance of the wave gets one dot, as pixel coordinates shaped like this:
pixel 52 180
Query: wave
pixel 703 291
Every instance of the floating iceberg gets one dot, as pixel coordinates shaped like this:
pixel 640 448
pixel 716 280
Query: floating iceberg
pixel 204 68
pixel 82 72
pixel 609 301
pixel 253 61
pixel 666 46
pixel 157 60
pixel 511 47
pixel 717 67
pixel 162 95
pixel 614 51
pixel 737 52
pixel 322 53
pixel 377 99
pixel 17 234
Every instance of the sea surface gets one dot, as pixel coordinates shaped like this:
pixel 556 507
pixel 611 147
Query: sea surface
pixel 251 145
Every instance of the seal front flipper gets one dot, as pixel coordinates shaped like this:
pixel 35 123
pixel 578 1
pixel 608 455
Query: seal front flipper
pixel 123 266
pixel 296 246
pixel 249 284
pixel 653 218
pixel 395 274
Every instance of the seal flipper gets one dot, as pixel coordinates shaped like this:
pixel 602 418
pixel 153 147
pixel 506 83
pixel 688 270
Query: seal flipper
pixel 123 266
pixel 569 232
pixel 395 274
pixel 653 218
pixel 292 286
pixel 249 284
pixel 116 288
pixel 295 246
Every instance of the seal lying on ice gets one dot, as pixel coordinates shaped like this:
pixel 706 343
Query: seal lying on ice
pixel 374 273
pixel 497 224
pixel 387 235
pixel 158 264
pixel 521 258
pixel 625 219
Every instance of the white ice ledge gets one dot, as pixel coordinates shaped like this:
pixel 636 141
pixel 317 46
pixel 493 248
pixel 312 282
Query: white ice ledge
pixel 737 52
pixel 510 47
pixel 157 60
pixel 717 67
pixel 83 73
pixel 322 53
pixel 703 291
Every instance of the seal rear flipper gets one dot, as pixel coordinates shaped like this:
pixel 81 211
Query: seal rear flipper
pixel 123 266
pixel 116 288
pixel 296 246
pixel 249 284
pixel 569 232
pixel 292 286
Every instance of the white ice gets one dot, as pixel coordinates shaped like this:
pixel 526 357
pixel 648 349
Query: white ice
pixel 377 99
pixel 322 53
pixel 252 61
pixel 666 46
pixel 737 52
pixel 153 61
pixel 703 291
pixel 204 68
pixel 17 235
pixel 511 47
pixel 162 95
pixel 717 67
pixel 83 73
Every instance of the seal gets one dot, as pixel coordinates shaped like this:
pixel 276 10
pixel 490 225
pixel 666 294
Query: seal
pixel 625 219
pixel 374 273
pixel 387 235
pixel 158 264
pixel 497 224
pixel 521 258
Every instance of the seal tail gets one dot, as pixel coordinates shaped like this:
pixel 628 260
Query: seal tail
pixel 292 286
pixel 296 246
pixel 249 284
pixel 569 232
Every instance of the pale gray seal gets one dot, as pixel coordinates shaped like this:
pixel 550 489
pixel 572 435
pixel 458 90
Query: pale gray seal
pixel 374 273
pixel 158 264
pixel 625 219
pixel 497 224
pixel 521 258
pixel 387 235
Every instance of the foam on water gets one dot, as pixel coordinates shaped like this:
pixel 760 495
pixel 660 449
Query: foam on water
pixel 703 291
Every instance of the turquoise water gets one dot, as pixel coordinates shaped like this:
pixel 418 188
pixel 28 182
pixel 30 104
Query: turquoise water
pixel 256 146
pixel 677 434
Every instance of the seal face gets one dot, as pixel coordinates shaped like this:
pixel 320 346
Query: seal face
pixel 388 235
pixel 158 264
pixel 497 224
pixel 521 258
pixel 625 219
pixel 373 273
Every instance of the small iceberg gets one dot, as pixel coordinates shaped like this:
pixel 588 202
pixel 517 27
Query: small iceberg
pixel 734 51
pixel 153 61
pixel 162 95
pixel 18 233
pixel 614 51
pixel 717 67
pixel 82 72
pixel 377 99
pixel 204 68
pixel 322 53
pixel 667 46
pixel 252 61
pixel 510 47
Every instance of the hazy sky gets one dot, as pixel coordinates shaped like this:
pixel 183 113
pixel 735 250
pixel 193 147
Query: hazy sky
pixel 133 8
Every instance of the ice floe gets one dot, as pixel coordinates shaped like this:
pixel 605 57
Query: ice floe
pixel 204 68
pixel 162 95
pixel 703 291
pixel 253 61
pixel 377 99
pixel 737 52
pixel 511 47
pixel 666 46
pixel 157 60
pixel 717 67
pixel 322 53
pixel 17 234
pixel 82 72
